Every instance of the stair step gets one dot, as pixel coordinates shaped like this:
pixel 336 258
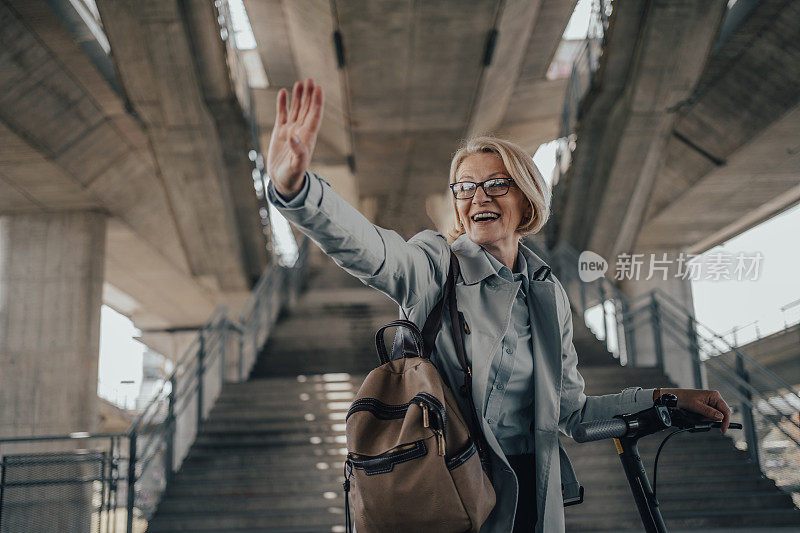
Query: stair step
pixel 269 457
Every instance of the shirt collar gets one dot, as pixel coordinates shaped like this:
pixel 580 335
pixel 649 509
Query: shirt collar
pixel 503 271
pixel 475 264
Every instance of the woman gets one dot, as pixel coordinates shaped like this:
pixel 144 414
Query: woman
pixel 525 379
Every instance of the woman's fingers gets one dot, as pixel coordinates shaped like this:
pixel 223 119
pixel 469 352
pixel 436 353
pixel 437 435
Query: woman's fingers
pixel 280 110
pixel 717 402
pixel 308 90
pixel 708 403
pixel 708 411
pixel 314 117
pixel 297 94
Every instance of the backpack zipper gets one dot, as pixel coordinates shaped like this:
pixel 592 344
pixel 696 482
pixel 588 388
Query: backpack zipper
pixel 391 451
pixel 383 411
pixel 433 414
pixel 429 402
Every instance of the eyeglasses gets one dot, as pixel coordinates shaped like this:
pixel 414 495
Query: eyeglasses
pixel 463 190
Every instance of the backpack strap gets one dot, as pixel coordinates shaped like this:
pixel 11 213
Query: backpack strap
pixel 466 389
pixel 406 345
pixel 405 340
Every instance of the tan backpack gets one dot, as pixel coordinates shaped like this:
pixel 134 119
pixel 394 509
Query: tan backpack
pixel 412 464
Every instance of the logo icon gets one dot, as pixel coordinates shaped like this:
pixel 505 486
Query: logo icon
pixel 591 266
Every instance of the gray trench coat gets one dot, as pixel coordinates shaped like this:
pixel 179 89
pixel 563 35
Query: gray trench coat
pixel 413 272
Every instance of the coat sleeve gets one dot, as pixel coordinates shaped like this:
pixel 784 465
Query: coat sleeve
pixel 575 406
pixel 403 270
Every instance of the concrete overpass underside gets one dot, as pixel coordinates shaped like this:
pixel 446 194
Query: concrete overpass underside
pixel 686 139
pixel 166 160
pixel 132 189
pixel 414 80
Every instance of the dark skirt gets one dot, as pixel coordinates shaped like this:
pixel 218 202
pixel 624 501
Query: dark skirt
pixel 525 468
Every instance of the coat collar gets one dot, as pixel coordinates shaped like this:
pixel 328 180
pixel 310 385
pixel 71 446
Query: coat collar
pixel 475 266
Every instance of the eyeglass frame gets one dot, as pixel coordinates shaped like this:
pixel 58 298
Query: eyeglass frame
pixel 481 185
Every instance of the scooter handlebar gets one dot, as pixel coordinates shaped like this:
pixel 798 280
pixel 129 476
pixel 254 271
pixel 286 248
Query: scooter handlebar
pixel 600 429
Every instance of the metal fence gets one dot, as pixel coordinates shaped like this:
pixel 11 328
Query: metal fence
pixel 580 81
pixel 655 330
pixel 107 483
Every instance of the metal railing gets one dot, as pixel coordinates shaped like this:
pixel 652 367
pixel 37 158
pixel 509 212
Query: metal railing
pixel 108 482
pixel 581 80
pixel 244 95
pixel 744 334
pixel 678 344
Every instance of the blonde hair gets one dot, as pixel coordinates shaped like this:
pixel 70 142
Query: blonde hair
pixel 520 167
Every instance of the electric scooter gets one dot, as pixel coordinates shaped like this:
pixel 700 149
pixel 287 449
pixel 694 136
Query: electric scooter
pixel 626 430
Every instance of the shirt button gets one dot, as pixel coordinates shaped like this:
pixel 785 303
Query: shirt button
pixel 490 420
pixel 499 386
pixel 509 350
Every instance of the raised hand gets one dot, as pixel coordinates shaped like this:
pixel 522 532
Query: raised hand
pixel 294 136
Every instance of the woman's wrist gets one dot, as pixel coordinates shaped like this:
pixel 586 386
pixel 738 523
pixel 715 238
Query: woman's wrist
pixel 661 391
pixel 288 194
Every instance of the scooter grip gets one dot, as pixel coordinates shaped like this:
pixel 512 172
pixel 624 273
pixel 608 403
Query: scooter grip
pixel 600 429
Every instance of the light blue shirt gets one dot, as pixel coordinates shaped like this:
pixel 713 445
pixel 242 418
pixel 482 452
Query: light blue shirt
pixel 509 406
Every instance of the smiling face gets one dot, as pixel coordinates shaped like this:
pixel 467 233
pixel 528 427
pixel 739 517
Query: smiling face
pixel 499 232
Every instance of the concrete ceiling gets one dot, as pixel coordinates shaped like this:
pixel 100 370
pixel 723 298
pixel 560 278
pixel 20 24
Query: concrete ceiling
pixel 686 140
pixel 67 142
pixel 413 85
pixel 732 160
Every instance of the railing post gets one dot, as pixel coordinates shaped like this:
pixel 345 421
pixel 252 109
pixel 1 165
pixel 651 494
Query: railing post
pixel 583 297
pixel 201 355
pixel 694 348
pixel 630 334
pixel 603 307
pixel 2 487
pixel 170 452
pixel 224 355
pixel 131 496
pixel 747 413
pixel 655 321
pixel 241 355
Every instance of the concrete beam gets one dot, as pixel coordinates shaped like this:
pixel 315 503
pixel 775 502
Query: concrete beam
pixel 675 43
pixel 271 30
pixel 732 152
pixel 759 180
pixel 155 59
pixel 164 295
pixel 514 27
pixel 234 132
pixel 60 148
pixel 591 160
pixel 533 116
pixel 654 56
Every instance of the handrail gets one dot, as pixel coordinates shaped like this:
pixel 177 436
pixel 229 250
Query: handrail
pixel 740 382
pixel 155 433
pixel 564 249
pixel 666 298
pixel 583 65
pixel 757 389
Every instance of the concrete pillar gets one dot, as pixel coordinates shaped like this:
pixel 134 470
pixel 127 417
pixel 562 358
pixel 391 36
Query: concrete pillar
pixel 51 281
pixel 660 332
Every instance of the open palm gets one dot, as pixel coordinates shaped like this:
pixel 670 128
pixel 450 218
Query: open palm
pixel 294 136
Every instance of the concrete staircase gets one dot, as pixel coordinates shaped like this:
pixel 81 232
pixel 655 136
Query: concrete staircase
pixel 270 456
